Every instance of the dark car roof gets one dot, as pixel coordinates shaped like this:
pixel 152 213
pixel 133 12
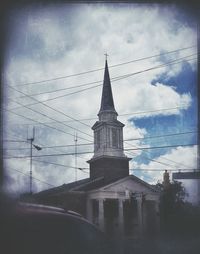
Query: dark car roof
pixel 38 229
pixel 37 208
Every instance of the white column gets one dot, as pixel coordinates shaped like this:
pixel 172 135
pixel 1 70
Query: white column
pixel 101 214
pixel 157 210
pixel 140 215
pixel 198 192
pixel 89 210
pixel 121 216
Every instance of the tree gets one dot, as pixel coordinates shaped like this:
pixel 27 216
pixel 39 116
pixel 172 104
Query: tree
pixel 171 204
pixel 178 217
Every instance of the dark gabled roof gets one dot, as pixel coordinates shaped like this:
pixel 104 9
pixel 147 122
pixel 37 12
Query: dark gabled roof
pixel 99 182
pixel 92 184
pixel 107 102
pixel 82 185
pixel 88 185
pixel 62 188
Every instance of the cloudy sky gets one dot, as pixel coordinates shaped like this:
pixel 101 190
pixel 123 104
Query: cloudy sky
pixel 53 73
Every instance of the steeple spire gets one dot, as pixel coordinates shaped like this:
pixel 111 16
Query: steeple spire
pixel 107 102
pixel 109 160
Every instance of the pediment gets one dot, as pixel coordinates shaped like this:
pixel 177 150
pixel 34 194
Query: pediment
pixel 130 183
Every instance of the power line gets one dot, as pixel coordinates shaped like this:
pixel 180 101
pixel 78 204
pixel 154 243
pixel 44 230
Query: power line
pixel 156 147
pixel 152 111
pixel 159 161
pixel 164 135
pixel 99 81
pixel 25 141
pixel 56 110
pixel 146 169
pixel 41 123
pixel 86 144
pixel 156 67
pixel 14 141
pixel 150 148
pixel 57 121
pixel 32 177
pixel 58 164
pixel 60 122
pixel 46 155
pixel 49 107
pixel 125 114
pixel 120 77
pixel 63 89
pixel 156 160
pixel 47 147
pixel 64 154
pixel 166 164
pixel 102 68
pixel 156 169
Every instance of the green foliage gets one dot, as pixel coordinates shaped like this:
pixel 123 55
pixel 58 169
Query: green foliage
pixel 177 216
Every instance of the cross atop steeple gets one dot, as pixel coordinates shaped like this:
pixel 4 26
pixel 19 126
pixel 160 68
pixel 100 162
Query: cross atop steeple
pixel 106 55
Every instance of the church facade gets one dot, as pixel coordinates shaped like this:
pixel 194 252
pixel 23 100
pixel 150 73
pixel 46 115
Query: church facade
pixel 118 203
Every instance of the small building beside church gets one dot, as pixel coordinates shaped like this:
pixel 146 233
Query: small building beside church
pixel 118 203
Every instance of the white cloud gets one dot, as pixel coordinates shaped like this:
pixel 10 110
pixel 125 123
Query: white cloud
pixel 147 97
pixel 171 160
pixel 60 41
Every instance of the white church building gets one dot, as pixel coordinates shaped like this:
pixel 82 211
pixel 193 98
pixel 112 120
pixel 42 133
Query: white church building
pixel 119 204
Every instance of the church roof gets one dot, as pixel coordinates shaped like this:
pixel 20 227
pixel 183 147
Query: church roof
pixel 107 102
pixel 99 183
pixel 90 185
pixel 62 188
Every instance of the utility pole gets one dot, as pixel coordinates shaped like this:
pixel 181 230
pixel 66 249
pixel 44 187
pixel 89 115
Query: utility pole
pixel 31 139
pixel 31 153
pixel 75 154
pixel 198 92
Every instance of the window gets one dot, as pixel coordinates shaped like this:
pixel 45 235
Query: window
pixel 98 139
pixel 114 138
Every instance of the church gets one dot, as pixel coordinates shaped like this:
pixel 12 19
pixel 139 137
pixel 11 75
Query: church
pixel 118 203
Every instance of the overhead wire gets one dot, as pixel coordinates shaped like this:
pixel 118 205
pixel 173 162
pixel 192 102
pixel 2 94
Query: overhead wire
pixel 157 147
pixel 60 122
pixel 159 162
pixel 29 176
pixel 121 115
pixel 146 169
pixel 58 164
pixel 128 74
pixel 30 119
pixel 178 163
pixel 100 81
pixel 164 135
pixel 102 68
pixel 40 102
pixel 87 152
pixel 14 141
pixel 117 79
pixel 86 144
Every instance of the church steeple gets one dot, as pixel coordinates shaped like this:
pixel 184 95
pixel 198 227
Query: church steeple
pixel 107 102
pixel 108 134
pixel 107 110
pixel 109 160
